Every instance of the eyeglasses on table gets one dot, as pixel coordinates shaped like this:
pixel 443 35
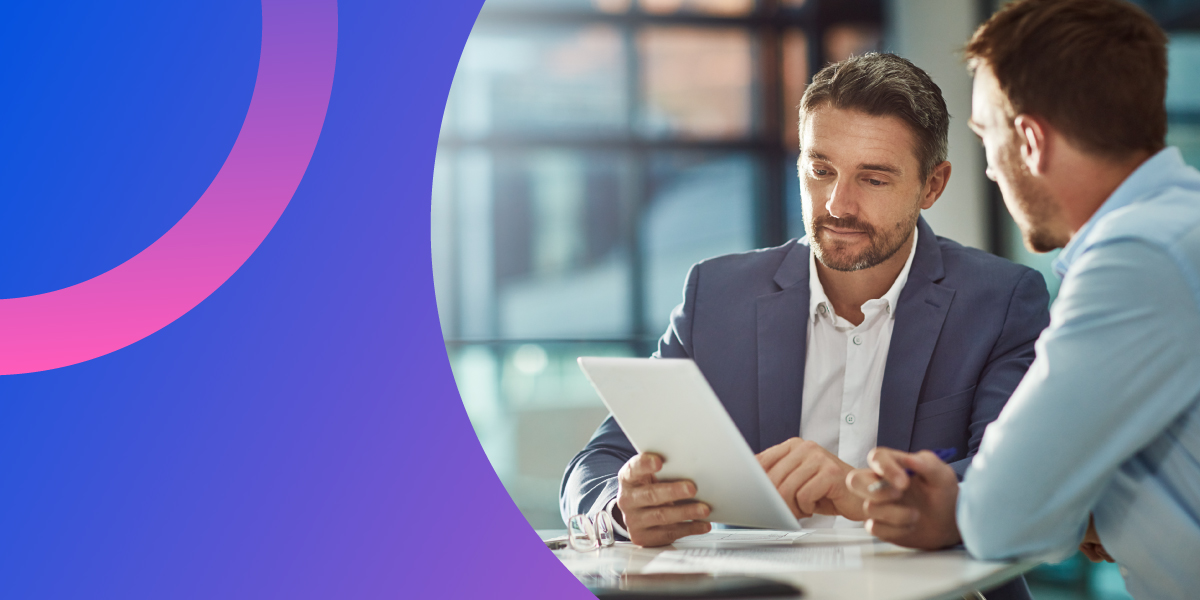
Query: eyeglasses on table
pixel 585 534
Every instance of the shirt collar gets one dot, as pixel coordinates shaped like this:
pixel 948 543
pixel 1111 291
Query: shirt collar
pixel 816 292
pixel 1146 178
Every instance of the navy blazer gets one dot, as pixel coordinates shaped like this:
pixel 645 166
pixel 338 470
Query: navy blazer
pixel 966 323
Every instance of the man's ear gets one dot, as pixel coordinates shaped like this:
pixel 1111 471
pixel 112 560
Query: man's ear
pixel 1034 147
pixel 936 184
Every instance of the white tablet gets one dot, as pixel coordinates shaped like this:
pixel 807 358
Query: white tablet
pixel 665 406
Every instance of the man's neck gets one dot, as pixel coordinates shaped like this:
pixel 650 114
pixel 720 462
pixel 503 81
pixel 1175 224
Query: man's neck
pixel 848 290
pixel 1089 183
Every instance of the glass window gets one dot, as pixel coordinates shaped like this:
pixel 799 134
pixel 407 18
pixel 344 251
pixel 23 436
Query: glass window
pixel 442 241
pixel 701 205
pixel 604 6
pixel 851 39
pixel 1183 79
pixel 795 80
pixel 696 81
pixel 795 203
pixel 724 8
pixel 561 263
pixel 1185 134
pixel 548 80
pixel 1183 95
pixel 474 249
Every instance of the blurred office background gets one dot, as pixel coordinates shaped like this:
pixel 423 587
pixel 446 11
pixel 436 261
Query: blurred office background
pixel 592 150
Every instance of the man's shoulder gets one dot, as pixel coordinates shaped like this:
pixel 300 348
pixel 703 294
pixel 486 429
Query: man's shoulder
pixel 1168 221
pixel 974 267
pixel 1165 219
pixel 753 264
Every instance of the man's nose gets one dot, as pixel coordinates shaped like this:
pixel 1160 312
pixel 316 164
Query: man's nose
pixel 841 200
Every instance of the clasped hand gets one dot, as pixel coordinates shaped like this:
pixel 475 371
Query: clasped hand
pixel 908 499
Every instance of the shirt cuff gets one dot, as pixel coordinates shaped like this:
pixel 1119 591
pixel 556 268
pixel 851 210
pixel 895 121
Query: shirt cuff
pixel 608 508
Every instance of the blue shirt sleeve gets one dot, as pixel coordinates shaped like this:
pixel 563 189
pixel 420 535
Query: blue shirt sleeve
pixel 1116 367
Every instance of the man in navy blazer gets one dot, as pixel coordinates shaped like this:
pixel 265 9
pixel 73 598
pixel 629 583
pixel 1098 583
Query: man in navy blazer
pixel 896 326
pixel 964 333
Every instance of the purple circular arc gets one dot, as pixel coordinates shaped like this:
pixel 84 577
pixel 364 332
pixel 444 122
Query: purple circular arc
pixel 224 227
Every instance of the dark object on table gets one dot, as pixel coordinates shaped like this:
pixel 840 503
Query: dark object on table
pixel 688 585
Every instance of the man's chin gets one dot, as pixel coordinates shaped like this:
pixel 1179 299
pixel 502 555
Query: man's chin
pixel 1040 240
pixel 1041 244
pixel 841 261
pixel 841 254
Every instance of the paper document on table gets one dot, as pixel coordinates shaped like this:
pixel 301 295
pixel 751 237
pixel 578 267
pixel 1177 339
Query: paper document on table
pixel 757 560
pixel 742 536
pixel 592 563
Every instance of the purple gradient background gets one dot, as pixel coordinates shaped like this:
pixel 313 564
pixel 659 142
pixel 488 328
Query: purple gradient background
pixel 210 242
pixel 298 434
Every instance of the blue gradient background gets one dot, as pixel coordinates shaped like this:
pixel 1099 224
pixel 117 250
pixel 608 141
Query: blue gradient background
pixel 298 434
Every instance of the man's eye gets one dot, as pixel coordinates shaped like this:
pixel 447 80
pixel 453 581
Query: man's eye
pixel 875 182
pixel 820 172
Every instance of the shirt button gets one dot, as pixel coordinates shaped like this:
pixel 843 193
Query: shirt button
pixel 821 308
pixel 857 342
pixel 850 419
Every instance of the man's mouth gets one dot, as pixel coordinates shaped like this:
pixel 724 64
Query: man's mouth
pixel 847 232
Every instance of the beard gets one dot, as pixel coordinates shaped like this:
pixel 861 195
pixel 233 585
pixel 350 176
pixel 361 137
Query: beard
pixel 884 243
pixel 1030 203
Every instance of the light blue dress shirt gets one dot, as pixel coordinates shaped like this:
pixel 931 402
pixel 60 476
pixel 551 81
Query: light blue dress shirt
pixel 1107 420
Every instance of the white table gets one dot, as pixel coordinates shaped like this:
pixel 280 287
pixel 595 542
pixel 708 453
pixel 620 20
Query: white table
pixel 887 572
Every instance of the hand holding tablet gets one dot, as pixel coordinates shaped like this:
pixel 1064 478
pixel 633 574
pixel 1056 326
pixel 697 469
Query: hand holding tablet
pixel 667 408
pixel 656 513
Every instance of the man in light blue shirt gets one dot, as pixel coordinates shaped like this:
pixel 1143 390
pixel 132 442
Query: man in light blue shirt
pixel 1105 426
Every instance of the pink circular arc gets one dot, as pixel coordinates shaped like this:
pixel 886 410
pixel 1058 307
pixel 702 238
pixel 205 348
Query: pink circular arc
pixel 224 227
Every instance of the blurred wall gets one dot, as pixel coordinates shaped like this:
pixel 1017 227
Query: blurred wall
pixel 931 33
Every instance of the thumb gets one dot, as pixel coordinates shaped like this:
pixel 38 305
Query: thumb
pixel 925 464
pixel 885 462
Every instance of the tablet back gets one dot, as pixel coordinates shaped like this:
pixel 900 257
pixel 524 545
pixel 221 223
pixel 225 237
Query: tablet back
pixel 665 406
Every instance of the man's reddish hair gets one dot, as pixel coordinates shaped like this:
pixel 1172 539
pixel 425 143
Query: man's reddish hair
pixel 1094 69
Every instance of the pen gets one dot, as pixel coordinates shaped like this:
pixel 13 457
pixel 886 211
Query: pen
pixel 943 454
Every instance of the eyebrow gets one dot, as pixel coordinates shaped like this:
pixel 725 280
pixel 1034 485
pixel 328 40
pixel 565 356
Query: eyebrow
pixel 882 168
pixel 813 154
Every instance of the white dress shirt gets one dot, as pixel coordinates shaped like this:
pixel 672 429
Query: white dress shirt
pixel 843 374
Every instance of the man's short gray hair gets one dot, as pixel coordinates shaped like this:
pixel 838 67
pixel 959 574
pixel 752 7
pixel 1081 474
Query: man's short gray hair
pixel 886 85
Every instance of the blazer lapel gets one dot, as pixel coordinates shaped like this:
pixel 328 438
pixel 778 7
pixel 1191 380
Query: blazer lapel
pixel 920 313
pixel 782 342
